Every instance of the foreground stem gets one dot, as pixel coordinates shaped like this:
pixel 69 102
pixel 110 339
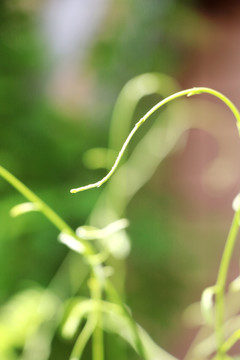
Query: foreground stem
pixel 62 226
pixel 221 284
pixel 221 281
pixel 188 92
pixel 97 337
pixel 49 213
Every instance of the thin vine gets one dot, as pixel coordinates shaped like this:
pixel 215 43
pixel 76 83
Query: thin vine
pixel 93 326
pixel 227 254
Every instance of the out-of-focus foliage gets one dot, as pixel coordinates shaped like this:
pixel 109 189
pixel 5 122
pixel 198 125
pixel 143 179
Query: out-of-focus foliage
pixel 37 143
pixel 40 144
pixel 44 147
pixel 22 316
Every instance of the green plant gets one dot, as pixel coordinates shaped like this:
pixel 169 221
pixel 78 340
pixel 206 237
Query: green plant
pixel 105 309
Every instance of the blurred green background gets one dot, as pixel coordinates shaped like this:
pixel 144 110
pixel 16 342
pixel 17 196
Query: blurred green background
pixel 62 66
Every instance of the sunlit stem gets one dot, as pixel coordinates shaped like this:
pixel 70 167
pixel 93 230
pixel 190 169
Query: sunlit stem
pixel 188 92
pixel 83 338
pixel 222 275
pixel 62 226
pixel 221 284
pixel 50 214
pixel 231 341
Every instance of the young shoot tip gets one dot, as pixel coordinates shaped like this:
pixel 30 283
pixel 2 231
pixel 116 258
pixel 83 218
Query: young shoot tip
pixel 86 187
pixel 73 191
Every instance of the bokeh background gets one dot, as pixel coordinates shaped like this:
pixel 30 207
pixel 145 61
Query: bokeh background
pixel 63 64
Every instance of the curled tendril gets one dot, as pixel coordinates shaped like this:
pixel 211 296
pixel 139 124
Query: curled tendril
pixel 188 92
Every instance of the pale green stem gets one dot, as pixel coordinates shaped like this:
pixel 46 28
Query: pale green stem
pixel 97 338
pixel 231 341
pixel 64 227
pixel 83 338
pixel 188 92
pixel 134 90
pixel 221 284
pixel 53 217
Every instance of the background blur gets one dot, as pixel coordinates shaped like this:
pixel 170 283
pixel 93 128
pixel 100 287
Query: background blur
pixel 62 65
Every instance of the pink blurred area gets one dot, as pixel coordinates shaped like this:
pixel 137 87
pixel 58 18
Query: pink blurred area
pixel 208 167
pixel 214 63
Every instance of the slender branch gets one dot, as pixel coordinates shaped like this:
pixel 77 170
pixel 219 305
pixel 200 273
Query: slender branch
pixel 62 226
pixel 231 341
pixel 188 92
pixel 50 214
pixel 221 283
pixel 83 338
pixel 97 337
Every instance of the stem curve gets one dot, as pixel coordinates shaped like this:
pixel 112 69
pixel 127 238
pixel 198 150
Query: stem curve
pixel 229 246
pixel 188 92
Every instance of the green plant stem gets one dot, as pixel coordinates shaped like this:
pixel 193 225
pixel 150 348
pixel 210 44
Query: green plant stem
pixel 221 284
pixel 97 338
pixel 83 338
pixel 188 92
pixel 231 341
pixel 51 215
pixel 134 90
pixel 62 226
